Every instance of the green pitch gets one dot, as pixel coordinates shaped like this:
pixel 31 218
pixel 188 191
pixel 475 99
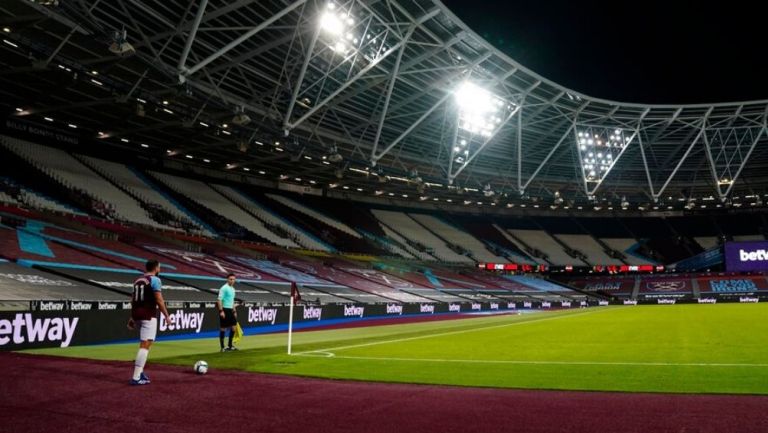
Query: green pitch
pixel 672 348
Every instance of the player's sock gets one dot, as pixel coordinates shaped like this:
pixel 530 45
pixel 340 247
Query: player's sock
pixel 231 334
pixel 141 360
pixel 221 339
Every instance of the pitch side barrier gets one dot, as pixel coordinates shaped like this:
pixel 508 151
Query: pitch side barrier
pixel 77 323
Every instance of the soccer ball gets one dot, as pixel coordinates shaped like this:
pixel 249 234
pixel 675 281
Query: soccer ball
pixel 201 367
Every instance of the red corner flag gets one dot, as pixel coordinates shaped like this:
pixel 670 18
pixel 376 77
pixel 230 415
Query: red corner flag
pixel 295 293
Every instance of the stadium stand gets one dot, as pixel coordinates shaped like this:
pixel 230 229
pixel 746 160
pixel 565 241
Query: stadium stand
pixel 231 220
pixel 394 236
pixel 555 254
pixel 154 202
pixel 707 242
pixel 24 283
pixel 5 198
pixel 594 252
pixel 326 224
pixel 315 214
pixel 455 236
pixel 273 229
pixel 408 228
pixel 109 201
pixel 627 247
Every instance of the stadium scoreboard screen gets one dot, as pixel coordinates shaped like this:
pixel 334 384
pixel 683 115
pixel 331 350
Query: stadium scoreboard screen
pixel 746 256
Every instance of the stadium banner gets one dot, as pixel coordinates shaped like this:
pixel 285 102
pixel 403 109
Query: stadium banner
pixel 611 286
pixel 38 132
pixel 746 256
pixel 665 287
pixel 86 324
pixel 736 284
pixel 70 323
pixel 73 323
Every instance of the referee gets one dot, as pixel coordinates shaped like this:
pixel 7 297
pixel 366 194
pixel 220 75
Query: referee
pixel 227 314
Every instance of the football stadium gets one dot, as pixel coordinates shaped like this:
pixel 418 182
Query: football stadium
pixel 362 215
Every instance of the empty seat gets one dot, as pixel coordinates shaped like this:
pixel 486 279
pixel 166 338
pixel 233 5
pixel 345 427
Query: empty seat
pixel 587 245
pixel 627 246
pixel 73 174
pixel 315 214
pixel 542 241
pixel 459 237
pixel 410 229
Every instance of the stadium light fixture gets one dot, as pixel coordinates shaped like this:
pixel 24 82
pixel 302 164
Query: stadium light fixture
pixel 337 25
pixel 599 148
pixel 479 110
pixel 481 114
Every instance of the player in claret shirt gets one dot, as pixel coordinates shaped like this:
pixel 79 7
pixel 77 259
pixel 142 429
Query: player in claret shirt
pixel 146 299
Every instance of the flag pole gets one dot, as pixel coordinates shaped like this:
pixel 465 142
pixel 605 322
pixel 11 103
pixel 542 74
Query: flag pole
pixel 290 325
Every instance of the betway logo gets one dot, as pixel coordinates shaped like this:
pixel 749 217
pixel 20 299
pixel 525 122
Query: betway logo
pixel 312 312
pixel 51 306
pixel 80 306
pixel 753 256
pixel 707 301
pixel 181 321
pixel 546 304
pixel 630 302
pixel 351 310
pixel 527 304
pixel 565 304
pixel 665 301
pixel 107 306
pixel 427 308
pixel 602 303
pixel 511 305
pixel 494 306
pixel 261 314
pixel 454 307
pixel 477 307
pixel 24 329
pixel 746 300
pixel 394 309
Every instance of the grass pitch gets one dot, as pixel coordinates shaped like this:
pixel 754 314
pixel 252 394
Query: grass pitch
pixel 668 348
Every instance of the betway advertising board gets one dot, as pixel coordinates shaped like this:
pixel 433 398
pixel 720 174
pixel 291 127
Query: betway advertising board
pixel 74 323
pixel 746 256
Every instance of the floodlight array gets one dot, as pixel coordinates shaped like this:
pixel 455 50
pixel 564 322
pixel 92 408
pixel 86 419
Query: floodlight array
pixel 337 25
pixel 480 115
pixel 599 148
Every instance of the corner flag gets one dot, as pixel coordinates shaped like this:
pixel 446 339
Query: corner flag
pixel 295 293
pixel 295 299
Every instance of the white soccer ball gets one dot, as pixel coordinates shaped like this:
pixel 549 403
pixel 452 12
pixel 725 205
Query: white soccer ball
pixel 201 367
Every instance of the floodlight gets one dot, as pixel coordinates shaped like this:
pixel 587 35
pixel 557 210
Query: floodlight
pixel 240 118
pixel 120 45
pixel 332 23
pixel 477 109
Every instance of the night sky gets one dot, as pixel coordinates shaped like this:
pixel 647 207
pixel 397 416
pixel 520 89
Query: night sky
pixel 651 51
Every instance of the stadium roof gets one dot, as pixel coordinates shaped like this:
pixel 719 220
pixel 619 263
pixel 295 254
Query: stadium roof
pixel 374 82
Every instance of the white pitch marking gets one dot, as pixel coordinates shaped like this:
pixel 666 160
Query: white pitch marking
pixel 487 361
pixel 463 331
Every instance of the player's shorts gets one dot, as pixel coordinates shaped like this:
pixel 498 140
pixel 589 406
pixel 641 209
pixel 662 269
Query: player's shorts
pixel 147 329
pixel 229 319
